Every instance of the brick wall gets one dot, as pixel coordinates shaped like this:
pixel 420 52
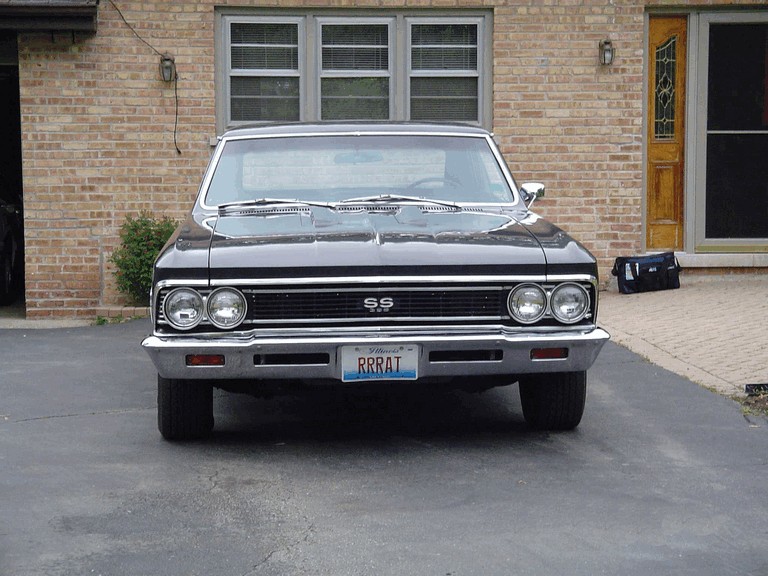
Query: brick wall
pixel 98 127
pixel 564 120
pixel 98 142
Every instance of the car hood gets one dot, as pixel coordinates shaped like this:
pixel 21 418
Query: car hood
pixel 408 241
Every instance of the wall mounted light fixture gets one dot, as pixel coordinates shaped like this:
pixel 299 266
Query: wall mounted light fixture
pixel 606 52
pixel 167 68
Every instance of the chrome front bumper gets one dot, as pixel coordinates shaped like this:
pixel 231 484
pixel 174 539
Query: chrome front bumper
pixel 459 353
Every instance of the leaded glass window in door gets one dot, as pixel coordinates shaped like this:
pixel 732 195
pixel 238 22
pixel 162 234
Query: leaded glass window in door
pixel 664 97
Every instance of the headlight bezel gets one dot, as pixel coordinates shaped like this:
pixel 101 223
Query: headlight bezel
pixel 211 298
pixel 512 308
pixel 200 308
pixel 586 303
pixel 549 314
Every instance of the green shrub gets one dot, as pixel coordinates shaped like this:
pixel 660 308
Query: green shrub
pixel 141 238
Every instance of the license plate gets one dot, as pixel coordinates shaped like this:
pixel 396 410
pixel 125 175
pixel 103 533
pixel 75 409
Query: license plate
pixel 360 363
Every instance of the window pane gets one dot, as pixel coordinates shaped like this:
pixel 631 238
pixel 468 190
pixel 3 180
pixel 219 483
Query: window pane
pixel 737 113
pixel 254 57
pixel 264 46
pixel 666 72
pixel 737 186
pixel 355 47
pixel 264 33
pixel 738 77
pixel 444 99
pixel 355 99
pixel 355 34
pixel 444 47
pixel 334 168
pixel 444 34
pixel 267 98
pixel 357 58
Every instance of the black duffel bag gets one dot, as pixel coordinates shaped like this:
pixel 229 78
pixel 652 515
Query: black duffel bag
pixel 647 273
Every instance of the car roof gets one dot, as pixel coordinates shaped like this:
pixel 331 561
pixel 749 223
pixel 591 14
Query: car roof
pixel 304 128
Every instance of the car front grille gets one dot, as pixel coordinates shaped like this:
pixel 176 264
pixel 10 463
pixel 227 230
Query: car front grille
pixel 369 306
pixel 379 305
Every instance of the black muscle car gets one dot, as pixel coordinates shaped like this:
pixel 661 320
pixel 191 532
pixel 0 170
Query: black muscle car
pixel 364 255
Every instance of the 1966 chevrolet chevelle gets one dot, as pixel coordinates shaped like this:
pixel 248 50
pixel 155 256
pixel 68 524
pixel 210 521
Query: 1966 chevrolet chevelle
pixel 367 255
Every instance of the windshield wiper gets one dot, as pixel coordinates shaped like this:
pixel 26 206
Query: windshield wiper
pixel 233 206
pixel 387 198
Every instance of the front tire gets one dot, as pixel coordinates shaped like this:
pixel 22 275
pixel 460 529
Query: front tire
pixel 554 401
pixel 184 408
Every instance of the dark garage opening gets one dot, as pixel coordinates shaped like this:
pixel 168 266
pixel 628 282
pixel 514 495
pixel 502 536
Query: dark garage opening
pixel 11 184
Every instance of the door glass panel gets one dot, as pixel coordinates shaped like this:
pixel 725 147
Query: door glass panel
pixel 666 70
pixel 737 132
pixel 737 186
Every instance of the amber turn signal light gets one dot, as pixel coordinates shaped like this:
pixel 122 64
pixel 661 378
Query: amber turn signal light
pixel 205 360
pixel 549 353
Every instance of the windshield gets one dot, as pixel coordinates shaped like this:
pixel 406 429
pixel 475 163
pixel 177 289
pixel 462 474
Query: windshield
pixel 339 168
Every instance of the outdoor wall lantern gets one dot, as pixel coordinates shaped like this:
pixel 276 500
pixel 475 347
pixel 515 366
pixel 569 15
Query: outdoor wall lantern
pixel 167 68
pixel 606 52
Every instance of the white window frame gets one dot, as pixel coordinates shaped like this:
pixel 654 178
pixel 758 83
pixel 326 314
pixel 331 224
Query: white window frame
pixel 310 56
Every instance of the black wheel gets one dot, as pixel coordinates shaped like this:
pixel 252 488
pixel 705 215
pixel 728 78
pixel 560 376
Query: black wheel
pixel 554 401
pixel 184 408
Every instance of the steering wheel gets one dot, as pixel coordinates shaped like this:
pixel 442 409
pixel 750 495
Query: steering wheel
pixel 441 179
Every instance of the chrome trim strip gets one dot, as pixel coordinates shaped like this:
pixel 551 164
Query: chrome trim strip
pixel 370 280
pixel 385 279
pixel 382 317
pixel 320 134
pixel 572 278
pixel 181 282
pixel 358 332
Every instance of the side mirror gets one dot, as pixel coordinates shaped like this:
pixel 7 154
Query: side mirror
pixel 532 191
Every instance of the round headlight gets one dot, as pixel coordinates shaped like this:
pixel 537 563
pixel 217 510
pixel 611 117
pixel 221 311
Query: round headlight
pixel 226 307
pixel 183 308
pixel 527 303
pixel 570 303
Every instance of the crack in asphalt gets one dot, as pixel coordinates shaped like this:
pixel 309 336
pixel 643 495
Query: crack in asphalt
pixel 307 533
pixel 76 415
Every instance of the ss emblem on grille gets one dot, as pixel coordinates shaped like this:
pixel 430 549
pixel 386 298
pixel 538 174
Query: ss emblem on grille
pixel 378 304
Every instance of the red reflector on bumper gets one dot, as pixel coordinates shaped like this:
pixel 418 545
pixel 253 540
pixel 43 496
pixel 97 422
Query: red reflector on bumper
pixel 549 353
pixel 205 360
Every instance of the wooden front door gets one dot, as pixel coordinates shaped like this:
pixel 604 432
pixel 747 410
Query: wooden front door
pixel 666 133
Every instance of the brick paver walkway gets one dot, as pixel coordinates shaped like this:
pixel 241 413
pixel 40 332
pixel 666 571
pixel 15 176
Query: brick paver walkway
pixel 712 331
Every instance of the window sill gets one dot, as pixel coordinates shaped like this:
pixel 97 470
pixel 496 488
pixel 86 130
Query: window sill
pixel 722 260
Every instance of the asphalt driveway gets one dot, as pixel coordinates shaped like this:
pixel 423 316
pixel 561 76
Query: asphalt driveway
pixel 662 476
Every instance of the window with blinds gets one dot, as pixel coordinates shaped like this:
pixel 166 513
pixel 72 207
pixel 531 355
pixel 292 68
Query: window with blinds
pixel 444 72
pixel 265 76
pixel 355 70
pixel 389 66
